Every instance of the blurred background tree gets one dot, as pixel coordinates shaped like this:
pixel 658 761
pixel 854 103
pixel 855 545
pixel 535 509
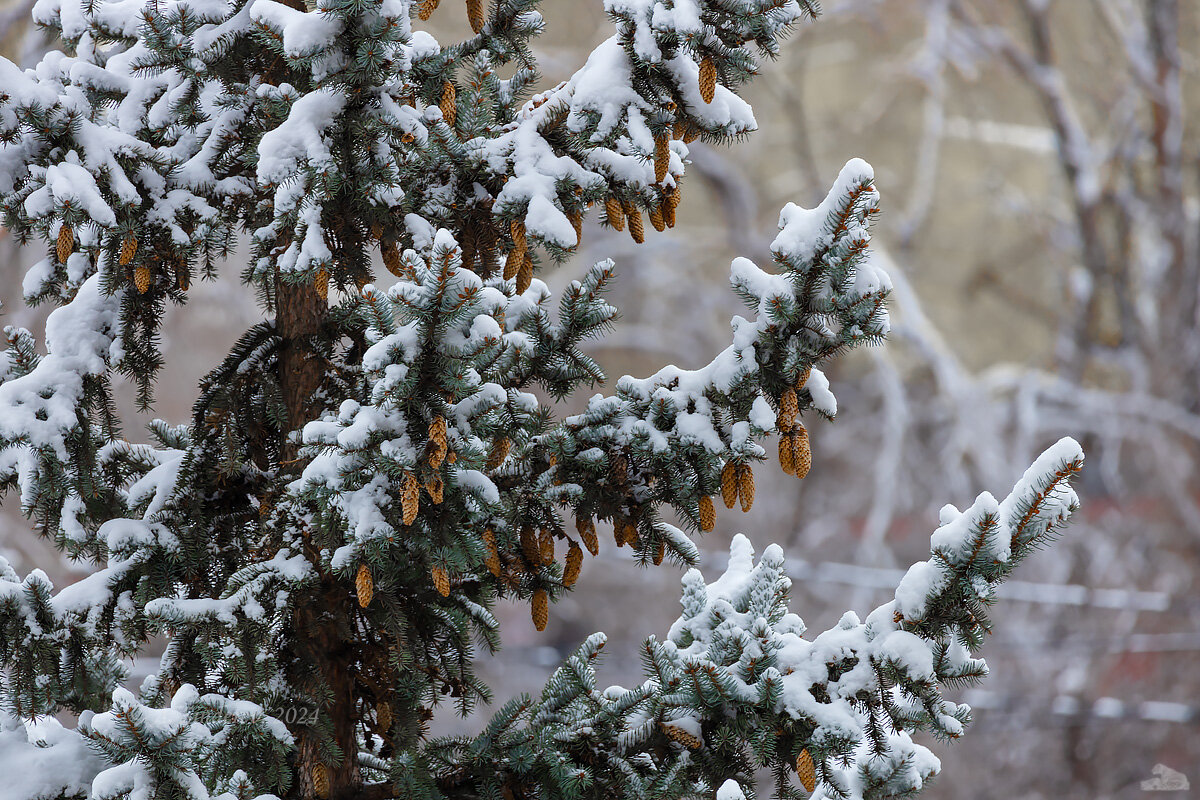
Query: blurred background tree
pixel 1040 164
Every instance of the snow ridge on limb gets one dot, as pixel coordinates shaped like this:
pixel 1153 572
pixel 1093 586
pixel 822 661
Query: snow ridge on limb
pixel 736 686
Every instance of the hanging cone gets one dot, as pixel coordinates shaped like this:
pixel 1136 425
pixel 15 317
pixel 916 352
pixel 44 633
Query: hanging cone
pixel 662 156
pixel 786 460
pixel 427 8
pixel 65 244
pixel 801 450
pixel 789 408
pixel 525 274
pixel 529 546
pixel 516 229
pixel 391 259
pixel 439 444
pixel 500 450
pixel 668 212
pixel 540 609
pixel 576 218
pixel 708 514
pixel 449 104
pixel 410 498
pixel 321 283
pixel 435 488
pixel 475 14
pixel 546 547
pixel 320 781
pixel 746 486
pixel 512 263
pixel 634 216
pixel 614 214
pixel 383 717
pixel 441 581
pixel 656 218
pixel 806 770
pixel 182 277
pixel 574 563
pixel 128 250
pixel 660 552
pixel 729 484
pixel 141 278
pixel 587 534
pixel 364 586
pixel 708 79
pixel 492 562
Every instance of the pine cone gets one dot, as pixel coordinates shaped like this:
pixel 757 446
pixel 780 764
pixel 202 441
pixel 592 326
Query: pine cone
pixel 383 717
pixel 475 14
pixel 410 498
pixel 708 514
pixel 546 547
pixel 786 460
pixel 439 445
pixel 657 219
pixel 708 79
pixel 801 450
pixel 427 8
pixel 391 259
pixel 529 546
pixel 500 450
pixel 673 195
pixel 441 581
pixel 182 276
pixel 803 377
pixel 614 214
pixel 746 486
pixel 677 734
pixel 321 283
pixel 128 250
pixel 806 770
pixel 435 488
pixel 540 609
pixel 512 263
pixel 525 274
pixel 141 278
pixel 789 408
pixel 668 212
pixel 634 215
pixel 662 156
pixel 576 218
pixel 449 103
pixel 620 469
pixel 320 781
pixel 492 562
pixel 492 559
pixel 574 563
pixel 729 484
pixel 517 229
pixel 660 552
pixel 66 243
pixel 364 586
pixel 587 534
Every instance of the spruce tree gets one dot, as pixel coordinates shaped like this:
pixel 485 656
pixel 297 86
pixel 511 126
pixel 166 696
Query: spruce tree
pixel 368 470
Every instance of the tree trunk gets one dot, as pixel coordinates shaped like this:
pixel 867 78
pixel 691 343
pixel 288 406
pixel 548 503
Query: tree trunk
pixel 321 649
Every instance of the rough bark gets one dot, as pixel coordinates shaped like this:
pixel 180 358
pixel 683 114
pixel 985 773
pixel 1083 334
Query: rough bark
pixel 321 649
